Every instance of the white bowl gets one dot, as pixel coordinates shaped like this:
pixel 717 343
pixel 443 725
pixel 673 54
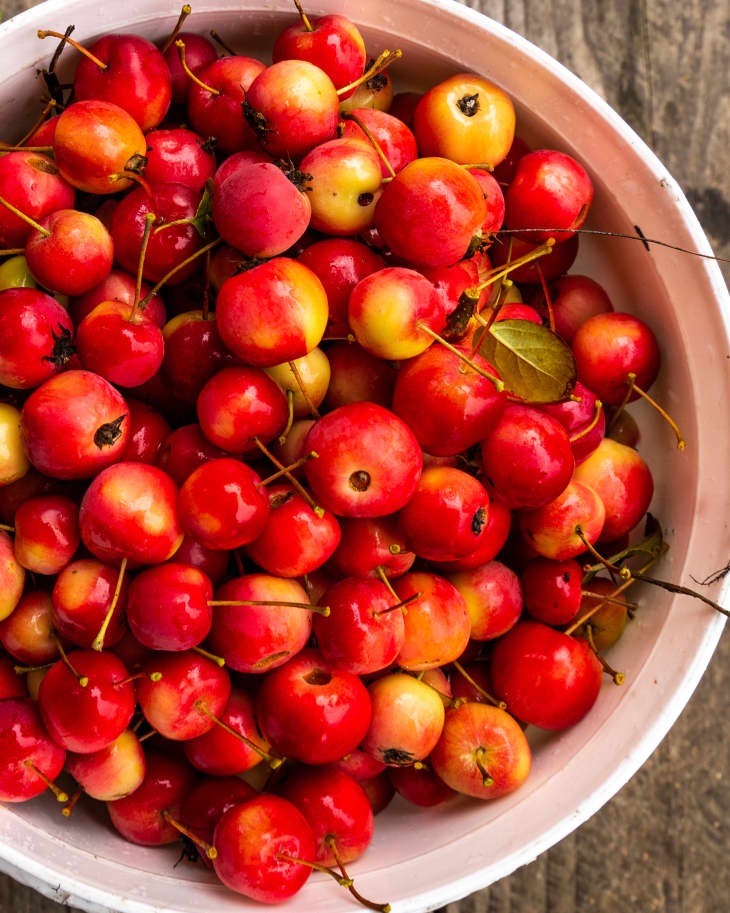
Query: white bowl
pixel 422 859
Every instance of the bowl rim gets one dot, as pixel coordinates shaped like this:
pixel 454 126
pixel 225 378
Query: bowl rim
pixel 76 890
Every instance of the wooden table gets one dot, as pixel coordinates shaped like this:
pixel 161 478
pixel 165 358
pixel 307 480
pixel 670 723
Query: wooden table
pixel 660 846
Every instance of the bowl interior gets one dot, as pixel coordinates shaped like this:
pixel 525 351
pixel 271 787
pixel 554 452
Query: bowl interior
pixel 421 859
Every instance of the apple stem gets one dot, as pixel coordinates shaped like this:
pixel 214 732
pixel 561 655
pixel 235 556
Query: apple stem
pixel 83 680
pixel 147 735
pixel 12 251
pixel 69 806
pixel 498 384
pixel 218 660
pixel 291 467
pixel 172 224
pixel 184 13
pixel 274 761
pixel 44 33
pixel 380 571
pixel 6 528
pixel 623 572
pixel 218 40
pixel 349 338
pixel 373 142
pixel 149 221
pixel 479 761
pixel 98 643
pixel 50 105
pixel 598 406
pixel 501 271
pixel 183 263
pixel 305 393
pixel 618 677
pixel 482 166
pixel 152 676
pixel 60 795
pixel 385 59
pixel 180 45
pixel 294 481
pixel 289 418
pixel 303 16
pixel 5 147
pixel 665 415
pixel 546 293
pixel 396 549
pixel 23 670
pixel 126 174
pixel 239 561
pixel 331 842
pixel 210 851
pixel 319 609
pixel 25 218
pixel 494 310
pixel 485 694
pixel 609 599
pixel 399 605
pixel 341 880
pixel 681 590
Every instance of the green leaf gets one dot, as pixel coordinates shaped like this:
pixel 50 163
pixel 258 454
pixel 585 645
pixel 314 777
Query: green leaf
pixel 203 213
pixel 533 361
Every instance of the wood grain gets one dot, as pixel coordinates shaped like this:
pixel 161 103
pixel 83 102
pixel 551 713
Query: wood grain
pixel 660 846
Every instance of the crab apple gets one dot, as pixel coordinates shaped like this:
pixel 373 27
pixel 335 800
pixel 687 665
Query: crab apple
pixel 584 420
pixel 451 281
pixel 212 563
pixel 14 464
pixel 292 449
pixel 310 383
pixel 184 450
pixel 169 243
pixel 448 406
pixel 131 652
pixel 552 530
pixel 446 515
pixel 340 263
pixel 190 691
pixel 482 752
pixel 256 638
pixel 376 92
pixel 420 786
pixel 551 191
pixel 94 143
pixel 75 425
pixel 362 634
pixel 609 620
pixel 436 625
pixel 359 765
pixel 312 711
pixel 140 817
pixel 72 254
pixel 336 809
pixel 343 185
pixel 430 211
pixel 493 597
pixel 610 346
pixel 505 171
pixel 239 404
pixel 84 718
pixel 546 677
pixel 293 106
pixel 31 182
pixel 218 112
pixel 623 481
pixel 624 429
pixel 357 376
pixel 407 719
pixel 261 210
pixel 112 772
pixel 492 540
pixel 121 344
pixel 82 596
pixel 168 609
pixel 209 800
pixel 118 286
pixel 369 461
pixel 12 577
pixel 272 313
pixel 527 458
pixel 129 511
pixel 391 134
pixel 295 540
pixel 217 753
pixel 551 265
pixel 379 791
pixel 14 273
pixel 179 156
pixel 371 543
pixel 256 843
pixel 134 74
pixel 494 199
pixel 552 590
pixel 200 53
pixel 194 352
pixel 11 684
pixel 26 750
pixel 466 119
pixel 36 337
pixel 391 311
pixel 575 299
pixel 46 533
pixel 222 506
pixel 404 105
pixel 332 43
pixel 148 431
pixel 28 633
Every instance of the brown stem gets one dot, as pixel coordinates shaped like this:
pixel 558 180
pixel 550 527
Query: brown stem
pixel 492 700
pixel 149 221
pixel 6 147
pixel 24 217
pixel 290 468
pixel 69 806
pixel 385 59
pixel 45 33
pixel 218 40
pixel 609 599
pixel 681 444
pixel 152 676
pixel 498 384
pixel 83 680
pixel 60 795
pixel 12 251
pixel 546 293
pixel 501 271
pixel 487 780
pixel 184 13
pixel 180 45
pixel 681 590
pixel 303 16
pixel 6 528
pixel 98 643
pixel 379 907
pixel 341 881
pixel 305 393
pixel 594 421
pixel 210 851
pixel 294 481
pixel 319 609
pixel 273 761
pixel 618 677
pixel 623 572
pixel 399 605
pixel 373 142
pixel 128 175
pixel 198 253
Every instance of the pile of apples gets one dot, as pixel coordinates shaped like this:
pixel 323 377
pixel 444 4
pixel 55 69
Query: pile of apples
pixel 301 452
